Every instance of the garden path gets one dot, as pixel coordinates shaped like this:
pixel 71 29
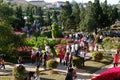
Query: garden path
pixel 81 74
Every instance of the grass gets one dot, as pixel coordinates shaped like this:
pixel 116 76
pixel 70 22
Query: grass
pixel 92 66
pixel 5 77
pixel 43 76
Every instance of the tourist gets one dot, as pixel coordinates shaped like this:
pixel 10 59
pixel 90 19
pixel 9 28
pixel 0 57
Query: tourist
pixel 39 49
pixel 33 57
pixel 76 48
pixel 82 56
pixel 47 49
pixel 67 48
pixel 2 63
pixel 44 59
pixel 38 58
pixel 116 59
pixel 20 60
pixel 73 49
pixel 61 55
pixel 69 75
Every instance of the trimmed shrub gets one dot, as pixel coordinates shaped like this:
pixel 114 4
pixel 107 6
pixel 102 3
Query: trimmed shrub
pixel 52 64
pixel 97 56
pixel 56 31
pixel 77 61
pixel 18 72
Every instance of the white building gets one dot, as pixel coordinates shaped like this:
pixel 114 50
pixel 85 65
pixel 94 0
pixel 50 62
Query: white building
pixel 57 4
pixel 17 1
pixel 37 2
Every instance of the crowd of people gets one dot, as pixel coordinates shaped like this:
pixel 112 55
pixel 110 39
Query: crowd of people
pixel 80 47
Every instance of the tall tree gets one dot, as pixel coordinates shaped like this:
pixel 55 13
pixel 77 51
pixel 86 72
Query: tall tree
pixel 48 18
pixel 112 14
pixel 76 14
pixel 88 22
pixel 65 15
pixel 98 14
pixel 19 22
pixel 40 14
pixel 54 16
pixel 105 14
pixel 5 12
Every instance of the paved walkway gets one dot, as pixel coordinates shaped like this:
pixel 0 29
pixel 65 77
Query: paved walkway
pixel 81 74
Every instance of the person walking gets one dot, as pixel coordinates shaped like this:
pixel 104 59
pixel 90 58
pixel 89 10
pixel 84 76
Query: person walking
pixel 116 59
pixel 61 55
pixel 82 56
pixel 33 57
pixel 44 59
pixel 2 63
pixel 20 60
pixel 69 75
pixel 38 58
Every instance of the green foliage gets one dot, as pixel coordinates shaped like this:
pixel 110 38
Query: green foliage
pixel 56 31
pixel 76 14
pixel 52 43
pixel 41 41
pixel 111 43
pixel 19 72
pixel 46 34
pixel 52 64
pixel 64 42
pixel 5 12
pixel 66 17
pixel 77 61
pixel 54 16
pixel 9 41
pixel 97 56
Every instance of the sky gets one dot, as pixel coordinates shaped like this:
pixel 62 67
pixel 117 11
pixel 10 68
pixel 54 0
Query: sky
pixel 84 1
pixel 109 1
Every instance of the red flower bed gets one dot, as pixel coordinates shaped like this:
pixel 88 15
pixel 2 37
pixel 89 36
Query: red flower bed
pixel 66 39
pixel 60 46
pixel 111 74
pixel 18 33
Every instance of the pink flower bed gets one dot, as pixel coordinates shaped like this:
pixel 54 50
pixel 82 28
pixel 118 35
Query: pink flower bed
pixel 18 33
pixel 111 74
pixel 66 39
pixel 60 46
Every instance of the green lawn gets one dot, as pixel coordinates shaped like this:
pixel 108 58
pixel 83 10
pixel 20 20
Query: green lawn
pixel 92 66
pixel 43 75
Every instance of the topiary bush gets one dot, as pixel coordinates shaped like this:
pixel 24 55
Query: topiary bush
pixel 18 72
pixel 97 56
pixel 52 64
pixel 77 61
pixel 56 31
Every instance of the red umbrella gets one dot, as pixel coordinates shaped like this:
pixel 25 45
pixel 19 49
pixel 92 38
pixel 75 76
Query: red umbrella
pixel 110 74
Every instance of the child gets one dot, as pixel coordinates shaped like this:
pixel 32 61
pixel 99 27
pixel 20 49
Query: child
pixel 2 63
pixel 116 59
